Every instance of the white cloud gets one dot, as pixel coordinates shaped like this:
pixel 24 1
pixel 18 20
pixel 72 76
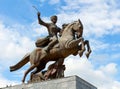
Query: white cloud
pixel 102 77
pixel 5 82
pixel 116 56
pixel 109 69
pixel 39 29
pixel 13 46
pixel 99 45
pixel 103 52
pixel 99 17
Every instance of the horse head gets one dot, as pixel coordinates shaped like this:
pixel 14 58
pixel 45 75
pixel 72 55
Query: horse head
pixel 75 26
pixel 78 28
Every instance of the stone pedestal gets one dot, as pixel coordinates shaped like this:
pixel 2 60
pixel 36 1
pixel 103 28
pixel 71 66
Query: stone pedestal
pixel 72 82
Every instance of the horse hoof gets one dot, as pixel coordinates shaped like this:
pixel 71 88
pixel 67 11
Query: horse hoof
pixel 87 55
pixel 80 53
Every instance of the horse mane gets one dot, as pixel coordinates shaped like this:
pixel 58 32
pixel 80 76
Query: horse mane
pixel 68 26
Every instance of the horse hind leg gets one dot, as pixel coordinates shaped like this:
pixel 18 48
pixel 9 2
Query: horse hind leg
pixel 88 48
pixel 74 43
pixel 30 69
pixel 38 69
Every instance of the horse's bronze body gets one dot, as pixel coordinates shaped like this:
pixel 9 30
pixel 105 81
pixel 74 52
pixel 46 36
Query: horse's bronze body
pixel 68 44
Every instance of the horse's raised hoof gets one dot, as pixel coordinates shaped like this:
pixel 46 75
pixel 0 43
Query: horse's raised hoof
pixel 80 53
pixel 88 54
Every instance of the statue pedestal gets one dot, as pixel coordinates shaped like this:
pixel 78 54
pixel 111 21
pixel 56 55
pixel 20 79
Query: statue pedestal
pixel 72 82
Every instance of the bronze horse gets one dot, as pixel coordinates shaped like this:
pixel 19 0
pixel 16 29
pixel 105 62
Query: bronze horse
pixel 68 44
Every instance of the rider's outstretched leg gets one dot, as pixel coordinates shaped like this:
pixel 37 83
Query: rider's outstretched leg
pixel 53 41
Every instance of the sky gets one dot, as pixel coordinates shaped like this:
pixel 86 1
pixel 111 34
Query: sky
pixel 19 29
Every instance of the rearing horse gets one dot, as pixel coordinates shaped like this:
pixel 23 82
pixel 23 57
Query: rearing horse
pixel 68 44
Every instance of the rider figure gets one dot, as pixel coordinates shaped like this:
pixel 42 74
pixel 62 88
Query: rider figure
pixel 52 30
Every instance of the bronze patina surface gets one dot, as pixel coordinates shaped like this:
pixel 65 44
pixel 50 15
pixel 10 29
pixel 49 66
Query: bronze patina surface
pixel 54 48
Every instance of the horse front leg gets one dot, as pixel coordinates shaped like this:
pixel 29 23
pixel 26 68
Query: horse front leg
pixel 80 52
pixel 86 42
pixel 73 43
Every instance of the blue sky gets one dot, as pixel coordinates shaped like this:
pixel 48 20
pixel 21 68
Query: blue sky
pixel 19 30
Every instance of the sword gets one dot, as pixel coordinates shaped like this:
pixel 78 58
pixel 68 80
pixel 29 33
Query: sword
pixel 35 8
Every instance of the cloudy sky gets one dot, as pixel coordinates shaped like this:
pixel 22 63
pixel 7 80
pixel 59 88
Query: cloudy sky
pixel 19 30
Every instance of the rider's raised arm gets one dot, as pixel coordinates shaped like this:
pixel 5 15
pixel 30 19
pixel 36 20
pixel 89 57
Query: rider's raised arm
pixel 40 21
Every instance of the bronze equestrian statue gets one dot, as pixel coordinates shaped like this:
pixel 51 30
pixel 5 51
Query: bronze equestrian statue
pixel 67 44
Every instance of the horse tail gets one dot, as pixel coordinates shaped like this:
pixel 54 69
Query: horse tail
pixel 21 63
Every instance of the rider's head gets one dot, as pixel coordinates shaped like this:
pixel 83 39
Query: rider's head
pixel 53 18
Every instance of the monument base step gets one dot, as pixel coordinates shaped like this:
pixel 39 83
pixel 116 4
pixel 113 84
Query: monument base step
pixel 72 82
